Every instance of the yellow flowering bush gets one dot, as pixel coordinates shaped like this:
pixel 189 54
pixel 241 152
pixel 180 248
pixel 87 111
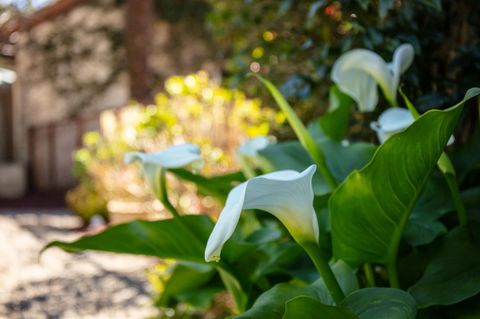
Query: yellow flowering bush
pixel 193 108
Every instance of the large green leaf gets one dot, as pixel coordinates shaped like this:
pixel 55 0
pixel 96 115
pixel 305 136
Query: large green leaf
pixel 341 160
pixel 271 304
pixel 182 239
pixel 453 274
pixel 381 303
pixel 308 308
pixel 334 123
pixel 370 209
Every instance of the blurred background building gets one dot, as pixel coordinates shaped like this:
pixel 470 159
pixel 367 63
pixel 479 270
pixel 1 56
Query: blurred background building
pixel 63 62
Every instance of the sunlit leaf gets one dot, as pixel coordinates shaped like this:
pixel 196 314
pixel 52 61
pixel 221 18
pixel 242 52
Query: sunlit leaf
pixel 370 209
pixel 182 239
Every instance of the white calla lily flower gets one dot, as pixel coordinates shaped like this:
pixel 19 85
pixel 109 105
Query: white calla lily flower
pixel 174 157
pixel 392 121
pixel 251 147
pixel 358 71
pixel 287 194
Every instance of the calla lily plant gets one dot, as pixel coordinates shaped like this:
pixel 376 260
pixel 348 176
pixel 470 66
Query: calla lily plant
pixel 358 72
pixel 154 166
pixel 251 147
pixel 288 195
pixel 176 156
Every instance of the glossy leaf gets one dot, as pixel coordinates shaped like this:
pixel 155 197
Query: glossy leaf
pixel 182 239
pixel 171 238
pixel 307 308
pixel 453 274
pixel 271 304
pixel 381 303
pixel 370 209
pixel 341 160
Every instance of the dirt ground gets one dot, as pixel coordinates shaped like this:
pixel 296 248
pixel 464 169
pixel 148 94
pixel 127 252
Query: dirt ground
pixel 62 285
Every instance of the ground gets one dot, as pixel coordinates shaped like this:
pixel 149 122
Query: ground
pixel 62 285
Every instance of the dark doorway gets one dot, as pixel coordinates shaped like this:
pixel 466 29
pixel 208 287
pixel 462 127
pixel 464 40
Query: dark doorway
pixel 6 123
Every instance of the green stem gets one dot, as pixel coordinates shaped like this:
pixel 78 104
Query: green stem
pixel 457 200
pixel 246 167
pixel 319 159
pixel 446 167
pixel 325 271
pixel 393 274
pixel 369 274
pixel 302 133
pixel 162 194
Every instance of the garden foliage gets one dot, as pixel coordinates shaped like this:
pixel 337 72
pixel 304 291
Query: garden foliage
pixel 397 247
pixel 356 229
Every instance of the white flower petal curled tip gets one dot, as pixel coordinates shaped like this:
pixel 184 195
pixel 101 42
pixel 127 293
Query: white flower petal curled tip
pixel 358 72
pixel 174 157
pixel 288 195
pixel 392 121
pixel 252 146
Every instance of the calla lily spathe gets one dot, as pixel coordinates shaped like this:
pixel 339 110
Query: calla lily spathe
pixel 287 194
pixel 174 157
pixel 358 71
pixel 251 147
pixel 392 121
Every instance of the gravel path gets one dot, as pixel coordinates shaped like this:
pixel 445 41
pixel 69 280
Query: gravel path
pixel 61 285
